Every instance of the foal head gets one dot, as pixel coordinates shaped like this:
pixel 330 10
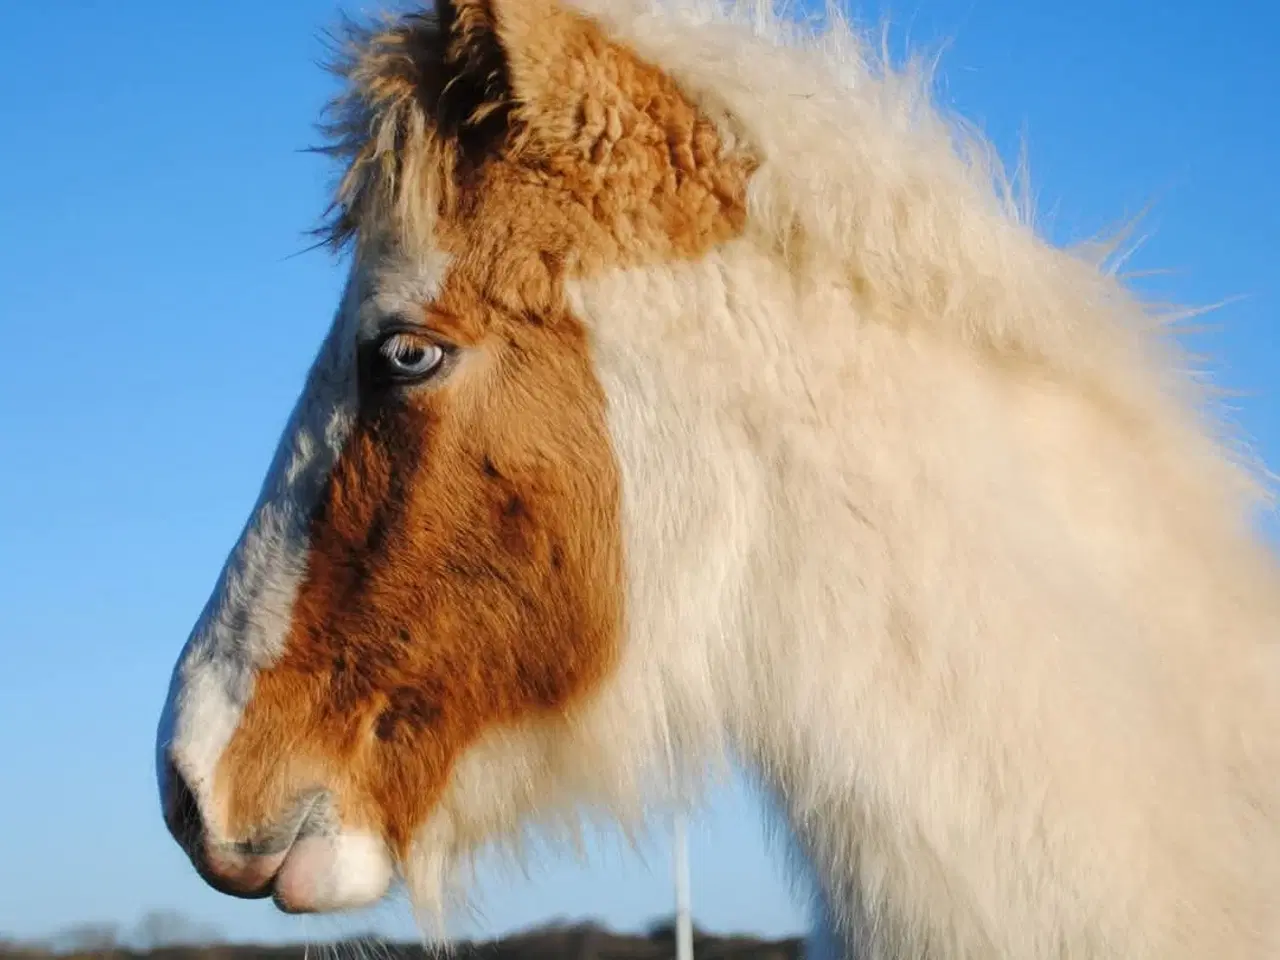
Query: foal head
pixel 431 589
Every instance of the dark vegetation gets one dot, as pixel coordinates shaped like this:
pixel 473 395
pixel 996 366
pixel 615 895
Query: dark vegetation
pixel 164 936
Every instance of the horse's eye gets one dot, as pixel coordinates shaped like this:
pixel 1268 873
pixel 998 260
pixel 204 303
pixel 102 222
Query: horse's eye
pixel 405 356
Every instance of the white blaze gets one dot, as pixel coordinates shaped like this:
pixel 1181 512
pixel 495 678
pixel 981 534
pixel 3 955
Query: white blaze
pixel 246 620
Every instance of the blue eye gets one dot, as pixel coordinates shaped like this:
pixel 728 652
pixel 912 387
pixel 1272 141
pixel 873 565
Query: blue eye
pixel 406 356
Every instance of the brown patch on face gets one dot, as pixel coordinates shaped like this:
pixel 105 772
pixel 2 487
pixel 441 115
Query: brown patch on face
pixel 465 571
pixel 466 565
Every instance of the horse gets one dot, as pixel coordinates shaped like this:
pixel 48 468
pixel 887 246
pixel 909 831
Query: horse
pixel 700 390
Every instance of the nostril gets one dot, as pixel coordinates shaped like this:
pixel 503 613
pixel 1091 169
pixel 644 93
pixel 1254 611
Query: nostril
pixel 181 812
pixel 225 866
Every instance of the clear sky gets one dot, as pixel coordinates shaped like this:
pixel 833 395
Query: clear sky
pixel 155 330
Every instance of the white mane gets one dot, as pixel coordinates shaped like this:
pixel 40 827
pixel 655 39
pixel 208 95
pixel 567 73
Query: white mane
pixel 863 170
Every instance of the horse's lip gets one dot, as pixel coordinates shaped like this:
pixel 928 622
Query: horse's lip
pixel 248 868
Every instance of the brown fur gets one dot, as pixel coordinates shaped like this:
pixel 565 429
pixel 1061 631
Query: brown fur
pixel 460 576
pixel 466 562
pixel 589 153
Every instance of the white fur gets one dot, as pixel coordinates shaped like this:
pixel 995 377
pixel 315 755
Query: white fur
pixel 990 688
pixel 329 873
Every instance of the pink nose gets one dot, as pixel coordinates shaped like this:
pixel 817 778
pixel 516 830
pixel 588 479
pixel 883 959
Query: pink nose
pixel 227 868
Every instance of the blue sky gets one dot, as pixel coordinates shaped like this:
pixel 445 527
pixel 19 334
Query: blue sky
pixel 157 328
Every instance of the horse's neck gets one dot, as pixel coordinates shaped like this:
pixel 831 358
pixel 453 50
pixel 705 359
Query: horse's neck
pixel 998 639
pixel 977 674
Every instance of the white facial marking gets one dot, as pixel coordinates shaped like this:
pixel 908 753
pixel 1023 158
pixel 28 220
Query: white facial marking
pixel 245 621
pixel 247 617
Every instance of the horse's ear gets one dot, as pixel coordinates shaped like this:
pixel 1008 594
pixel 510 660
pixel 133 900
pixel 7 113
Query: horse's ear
pixel 474 100
pixel 511 54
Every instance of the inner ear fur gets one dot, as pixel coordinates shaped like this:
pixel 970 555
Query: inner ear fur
pixel 473 104
pixel 507 63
